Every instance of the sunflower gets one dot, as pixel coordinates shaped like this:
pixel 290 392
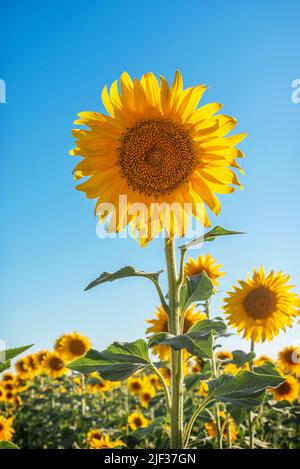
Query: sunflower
pixel 135 385
pixel 33 365
pixel 231 369
pixel 289 360
pixel 40 357
pixel 195 365
pixel 137 420
pixel 22 369
pixel 54 365
pixel 154 381
pixel 6 429
pixel 97 440
pixel 262 305
pixel 146 394
pixel 2 394
pixel 160 324
pixel 203 388
pixel 205 264
pixel 166 374
pixel 224 355
pixel 286 391
pixel 227 424
pixel 72 346
pixel 157 148
pixel 8 376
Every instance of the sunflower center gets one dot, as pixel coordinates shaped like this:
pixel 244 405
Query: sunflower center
pixel 136 386
pixel 291 357
pixel 156 156
pixel 77 347
pixel 1 427
pixel 284 388
pixel 137 421
pixel 56 364
pixel 260 303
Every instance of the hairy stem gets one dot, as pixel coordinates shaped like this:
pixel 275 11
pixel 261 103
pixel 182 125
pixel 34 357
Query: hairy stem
pixel 176 356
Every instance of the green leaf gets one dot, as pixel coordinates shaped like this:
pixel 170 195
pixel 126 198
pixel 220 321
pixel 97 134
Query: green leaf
pixel 239 414
pixel 216 326
pixel 9 354
pixel 196 344
pixel 5 366
pixel 127 271
pixel 211 235
pixel 268 368
pixel 240 358
pixel 199 288
pixel 246 389
pixel 197 341
pixel 119 361
pixel 13 352
pixel 7 445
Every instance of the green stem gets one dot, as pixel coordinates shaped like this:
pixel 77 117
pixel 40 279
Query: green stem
pixel 215 375
pixel 176 356
pixel 164 386
pixel 190 425
pixel 251 416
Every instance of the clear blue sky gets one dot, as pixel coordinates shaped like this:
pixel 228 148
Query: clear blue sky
pixel 55 58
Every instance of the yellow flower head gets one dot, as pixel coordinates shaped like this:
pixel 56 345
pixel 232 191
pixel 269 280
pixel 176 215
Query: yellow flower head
pixel 262 305
pixel 157 148
pixel 203 388
pixel 146 394
pixel 41 356
pixel 96 440
pixel 8 376
pixel 22 368
pixel 231 369
pixel 33 365
pixel 6 429
pixel 289 360
pixel 135 384
pixel 153 380
pixel 195 366
pixel 287 391
pixel 224 355
pixel 72 346
pixel 205 264
pixel 227 423
pixel 137 420
pixel 160 324
pixel 54 365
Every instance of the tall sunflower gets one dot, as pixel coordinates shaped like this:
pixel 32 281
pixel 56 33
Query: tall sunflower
pixel 155 146
pixel 205 264
pixel 160 324
pixel 262 305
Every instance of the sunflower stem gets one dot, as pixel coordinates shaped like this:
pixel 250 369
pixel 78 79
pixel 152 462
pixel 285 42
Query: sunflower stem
pixel 251 416
pixel 176 356
pixel 215 372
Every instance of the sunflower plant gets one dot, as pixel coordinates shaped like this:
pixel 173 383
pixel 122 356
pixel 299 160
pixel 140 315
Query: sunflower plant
pixel 156 146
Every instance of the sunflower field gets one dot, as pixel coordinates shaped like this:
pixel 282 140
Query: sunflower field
pixel 177 387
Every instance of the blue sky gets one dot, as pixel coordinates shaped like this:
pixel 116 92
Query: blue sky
pixel 55 58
